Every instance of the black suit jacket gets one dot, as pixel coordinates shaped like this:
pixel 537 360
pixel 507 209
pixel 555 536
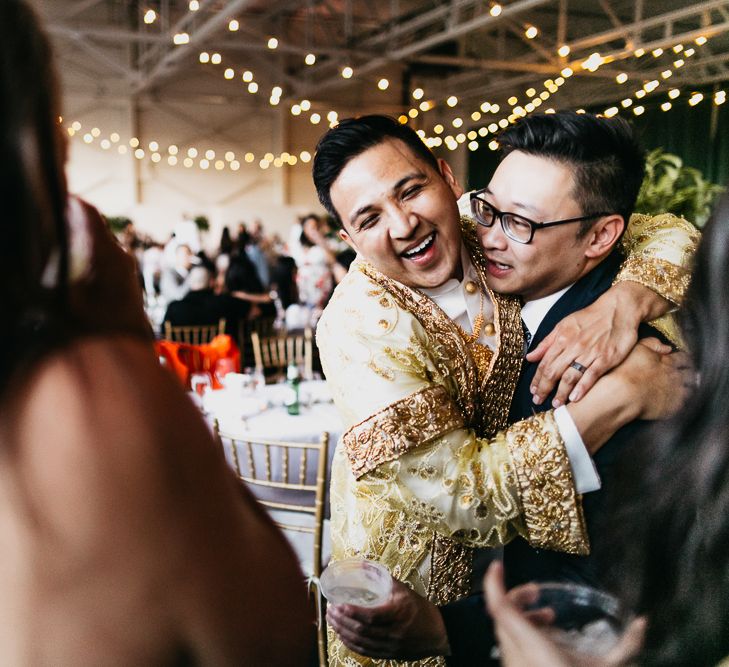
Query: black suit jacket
pixel 204 307
pixel 469 627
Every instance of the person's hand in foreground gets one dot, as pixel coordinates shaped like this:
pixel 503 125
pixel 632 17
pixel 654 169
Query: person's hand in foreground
pixel 406 627
pixel 524 643
pixel 598 338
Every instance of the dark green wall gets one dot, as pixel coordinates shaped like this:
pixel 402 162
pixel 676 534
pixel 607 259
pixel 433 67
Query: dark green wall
pixel 699 135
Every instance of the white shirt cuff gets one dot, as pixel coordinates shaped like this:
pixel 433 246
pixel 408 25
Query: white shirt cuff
pixel 583 467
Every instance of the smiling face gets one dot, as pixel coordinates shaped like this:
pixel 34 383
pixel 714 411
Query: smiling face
pixel 400 214
pixel 539 189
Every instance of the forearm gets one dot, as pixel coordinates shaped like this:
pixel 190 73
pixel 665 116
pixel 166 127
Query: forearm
pixel 602 411
pixel 644 304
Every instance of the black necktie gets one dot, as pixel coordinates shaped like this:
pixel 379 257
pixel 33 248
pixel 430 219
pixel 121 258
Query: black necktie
pixel 527 337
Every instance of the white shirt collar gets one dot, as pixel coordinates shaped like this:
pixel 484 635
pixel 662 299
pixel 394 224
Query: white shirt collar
pixel 533 312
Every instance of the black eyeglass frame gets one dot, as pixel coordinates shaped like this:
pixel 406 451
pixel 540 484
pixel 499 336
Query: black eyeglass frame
pixel 533 226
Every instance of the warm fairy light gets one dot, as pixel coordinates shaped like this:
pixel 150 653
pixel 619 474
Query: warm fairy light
pixel 173 150
pixel 678 63
pixel 150 16
pixel 315 119
pixel 181 38
pixel 495 10
pixel 674 93
pixel 305 156
pixel 666 106
pixel 229 73
pixel 473 145
pixel 457 122
pixel 252 87
pixel 192 152
pixel 657 52
pixel 305 105
pixel 563 50
pixel 701 40
pixel 272 43
pixel 276 91
pixel 666 73
pixel 172 161
pixel 639 53
pixel 139 153
pixel 452 101
pixel 216 59
pixel 295 110
pixel 413 113
pixel 114 137
pixel 204 57
pixel 621 78
pixel 638 110
pixel 233 25
pixel 332 116
pixel 531 32
pixel 530 92
pixel 204 164
pixel 310 59
pixel 678 48
pixel 418 93
pixel 134 142
pixel 347 72
pixel 438 129
pixel 695 99
pixel 194 5
pixel 627 102
pixel 249 157
pixel 247 76
pixel 153 146
pixel 640 93
pixel 567 72
pixel 493 144
pixel 156 157
pixel 383 84
pixel 476 116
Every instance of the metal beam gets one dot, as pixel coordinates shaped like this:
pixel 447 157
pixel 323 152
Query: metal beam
pixel 166 66
pixel 638 26
pixel 482 21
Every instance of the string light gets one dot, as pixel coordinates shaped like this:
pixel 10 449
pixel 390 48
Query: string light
pixel 150 16
pixel 181 38
pixel 233 25
pixel 310 59
pixel 194 5
pixel 383 84
pixel 347 72
pixel 216 59
pixel 418 93
pixel 563 50
pixel 495 10
pixel 621 78
pixel 272 43
pixel 531 32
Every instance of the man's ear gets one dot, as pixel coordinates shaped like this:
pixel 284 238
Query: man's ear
pixel 447 173
pixel 604 235
pixel 347 239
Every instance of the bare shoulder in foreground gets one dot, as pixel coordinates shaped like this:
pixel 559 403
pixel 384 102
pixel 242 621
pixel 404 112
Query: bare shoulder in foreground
pixel 127 539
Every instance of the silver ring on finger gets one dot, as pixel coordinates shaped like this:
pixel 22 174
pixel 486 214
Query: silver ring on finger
pixel 578 366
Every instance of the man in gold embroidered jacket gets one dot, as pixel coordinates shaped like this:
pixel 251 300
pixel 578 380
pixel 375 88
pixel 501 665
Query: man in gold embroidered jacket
pixel 425 471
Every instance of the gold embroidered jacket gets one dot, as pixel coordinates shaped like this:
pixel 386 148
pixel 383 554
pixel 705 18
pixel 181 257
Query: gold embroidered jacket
pixel 427 469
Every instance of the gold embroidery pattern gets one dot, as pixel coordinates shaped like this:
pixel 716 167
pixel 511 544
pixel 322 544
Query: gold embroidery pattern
pixel 666 279
pixel 411 421
pixel 552 509
pixel 341 656
pixel 450 351
pixel 450 571
pixel 498 384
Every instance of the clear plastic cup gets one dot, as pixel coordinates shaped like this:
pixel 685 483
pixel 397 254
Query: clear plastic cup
pixel 355 581
pixel 588 622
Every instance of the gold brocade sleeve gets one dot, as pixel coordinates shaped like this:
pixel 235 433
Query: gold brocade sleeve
pixel 659 251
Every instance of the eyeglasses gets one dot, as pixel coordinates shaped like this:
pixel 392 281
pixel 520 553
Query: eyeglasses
pixel 516 227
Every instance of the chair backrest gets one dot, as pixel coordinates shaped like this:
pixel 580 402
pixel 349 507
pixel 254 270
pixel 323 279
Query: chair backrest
pixel 289 478
pixel 274 353
pixel 194 334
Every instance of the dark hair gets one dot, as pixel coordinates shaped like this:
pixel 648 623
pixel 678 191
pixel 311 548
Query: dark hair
pixel 32 191
pixel 226 242
pixel 352 137
pixel 605 153
pixel 283 280
pixel 671 532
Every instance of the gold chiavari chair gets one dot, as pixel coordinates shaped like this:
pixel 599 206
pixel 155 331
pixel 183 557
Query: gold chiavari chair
pixel 194 335
pixel 289 479
pixel 274 353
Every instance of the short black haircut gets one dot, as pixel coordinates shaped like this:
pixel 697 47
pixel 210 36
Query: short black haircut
pixel 608 159
pixel 350 138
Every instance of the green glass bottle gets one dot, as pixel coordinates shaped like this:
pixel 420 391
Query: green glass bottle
pixel 293 378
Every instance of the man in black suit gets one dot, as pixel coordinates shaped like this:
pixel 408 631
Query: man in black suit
pixel 550 222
